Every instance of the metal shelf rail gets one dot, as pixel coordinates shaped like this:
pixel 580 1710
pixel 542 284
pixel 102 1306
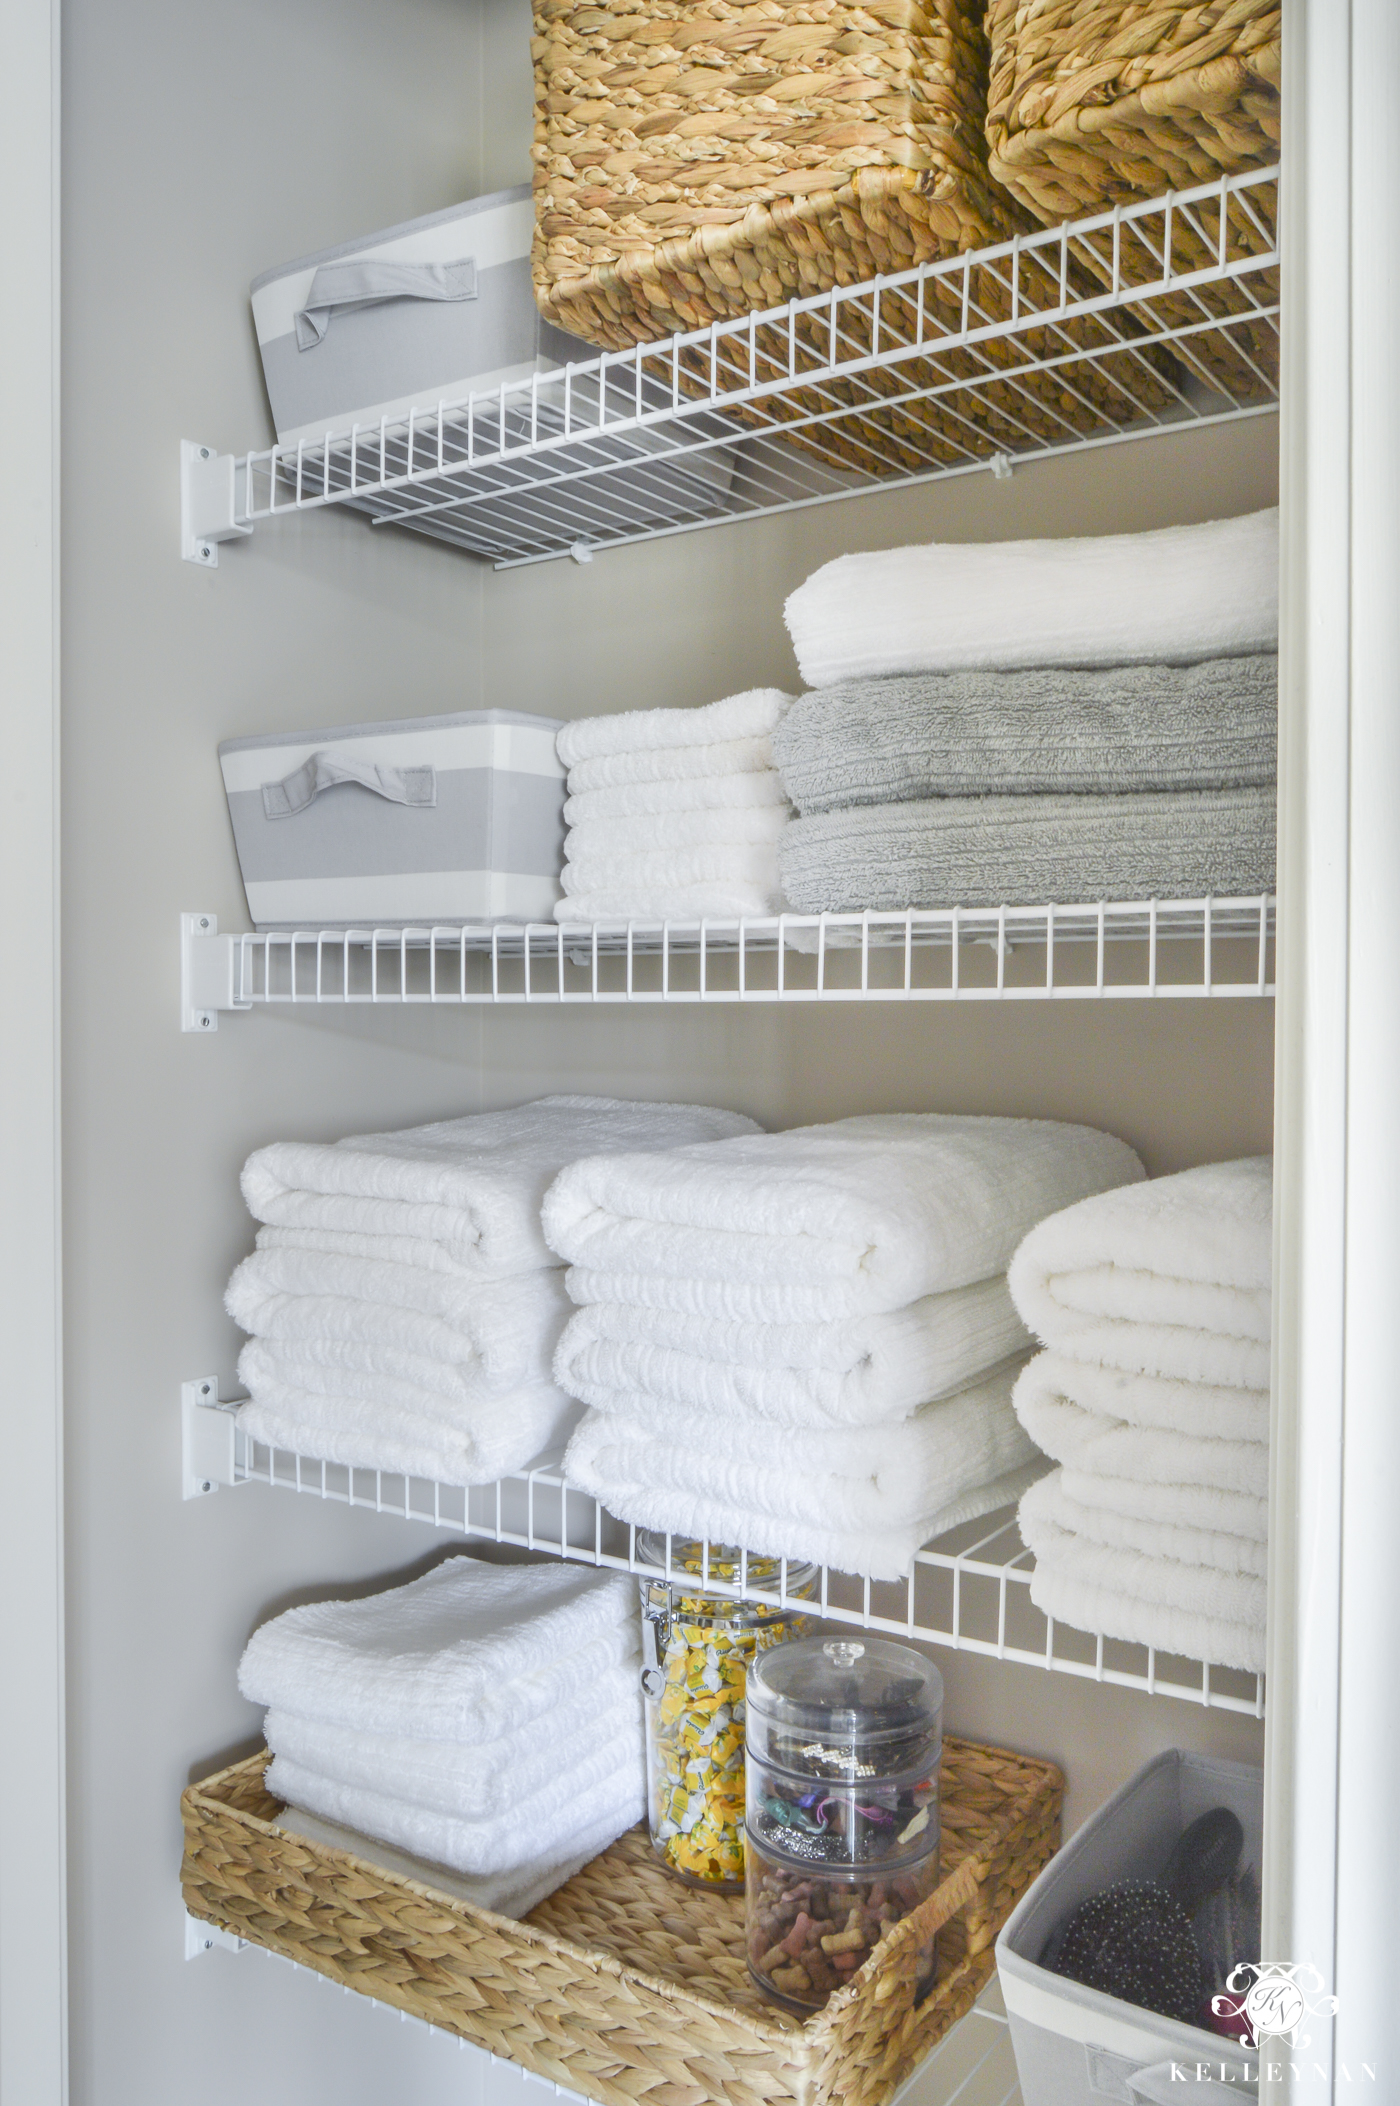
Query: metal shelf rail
pixel 970 1589
pixel 1139 320
pixel 1113 951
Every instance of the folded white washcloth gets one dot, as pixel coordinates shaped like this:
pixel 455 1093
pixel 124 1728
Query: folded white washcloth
pixel 502 1333
pixel 854 1373
pixel 512 1894
pixel 554 1824
pixel 740 864
pixel 606 841
pixel 1213 1411
pixel 663 1466
pixel 468 1652
pixel 1183 1543
pixel 751 715
pixel 1194 1611
pixel 681 905
pixel 1186 1505
pixel 757 790
pixel 586 1740
pixel 1175 595
pixel 1147 1454
pixel 378 1422
pixel 472 1186
pixel 1170 1278
pixel 616 771
pixel 862 1215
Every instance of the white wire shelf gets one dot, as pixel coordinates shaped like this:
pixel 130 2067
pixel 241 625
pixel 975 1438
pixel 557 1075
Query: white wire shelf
pixel 969 1590
pixel 1139 320
pixel 1112 951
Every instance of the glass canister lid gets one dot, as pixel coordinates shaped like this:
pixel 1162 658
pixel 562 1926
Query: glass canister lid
pixel 687 1563
pixel 849 1708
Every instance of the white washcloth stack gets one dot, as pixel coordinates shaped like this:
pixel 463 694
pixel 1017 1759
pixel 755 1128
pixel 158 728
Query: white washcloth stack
pixel 485 1717
pixel 802 1343
pixel 1154 1304
pixel 403 1303
pixel 674 814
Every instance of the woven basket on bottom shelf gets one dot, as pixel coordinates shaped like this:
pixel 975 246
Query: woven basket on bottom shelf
pixel 1092 103
pixel 626 1985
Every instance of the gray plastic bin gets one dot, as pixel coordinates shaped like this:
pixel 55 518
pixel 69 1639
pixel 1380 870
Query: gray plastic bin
pixel 437 819
pixel 1076 2046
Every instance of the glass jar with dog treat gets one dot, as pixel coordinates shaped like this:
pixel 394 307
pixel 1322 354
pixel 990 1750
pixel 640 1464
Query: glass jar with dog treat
pixel 841 1824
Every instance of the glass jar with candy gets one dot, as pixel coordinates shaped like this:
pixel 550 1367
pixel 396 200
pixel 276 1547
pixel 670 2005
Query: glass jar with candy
pixel 697 1649
pixel 841 1824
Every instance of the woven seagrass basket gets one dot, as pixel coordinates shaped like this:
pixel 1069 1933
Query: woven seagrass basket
pixel 697 162
pixel 1092 103
pixel 626 1985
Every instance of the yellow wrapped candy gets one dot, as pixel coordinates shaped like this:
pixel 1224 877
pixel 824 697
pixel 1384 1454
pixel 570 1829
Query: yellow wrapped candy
pixel 703 1644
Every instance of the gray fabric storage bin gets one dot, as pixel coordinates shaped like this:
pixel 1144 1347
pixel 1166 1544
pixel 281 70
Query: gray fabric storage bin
pixel 435 308
pixel 1075 2046
pixel 437 819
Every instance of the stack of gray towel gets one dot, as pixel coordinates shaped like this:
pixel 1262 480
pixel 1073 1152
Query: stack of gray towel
pixel 978 778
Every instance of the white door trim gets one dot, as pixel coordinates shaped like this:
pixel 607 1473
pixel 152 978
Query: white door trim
pixel 33 2051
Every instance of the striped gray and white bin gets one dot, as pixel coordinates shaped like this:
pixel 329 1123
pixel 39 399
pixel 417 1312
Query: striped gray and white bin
pixel 433 820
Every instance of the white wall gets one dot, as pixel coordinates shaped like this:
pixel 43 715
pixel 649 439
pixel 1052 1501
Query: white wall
pixel 206 142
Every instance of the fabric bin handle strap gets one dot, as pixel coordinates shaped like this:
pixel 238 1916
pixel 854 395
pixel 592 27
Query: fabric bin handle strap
pixel 324 770
pixel 364 284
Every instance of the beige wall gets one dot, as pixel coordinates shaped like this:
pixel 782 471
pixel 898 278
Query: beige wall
pixel 206 142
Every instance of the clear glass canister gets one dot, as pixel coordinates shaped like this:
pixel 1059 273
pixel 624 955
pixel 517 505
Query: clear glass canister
pixel 844 1741
pixel 697 1648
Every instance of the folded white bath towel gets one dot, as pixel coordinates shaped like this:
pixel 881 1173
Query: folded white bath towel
pixel 502 1333
pixel 406 1382
pixel 1146 1454
pixel 1186 1505
pixel 512 1894
pixel 1213 1411
pixel 521 1826
pixel 681 905
pixel 751 715
pixel 605 841
pixel 821 1222
pixel 468 1652
pixel 1179 1542
pixel 1171 1278
pixel 585 1740
pixel 1175 595
pixel 739 864
pixel 1194 1611
pixel 615 771
pixel 378 1422
pixel 554 1824
pixel 887 1488
pixel 471 1186
pixel 863 1370
pixel 757 790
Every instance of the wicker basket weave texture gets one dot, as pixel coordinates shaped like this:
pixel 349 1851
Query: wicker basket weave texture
pixel 1093 102
pixel 625 1985
pixel 697 162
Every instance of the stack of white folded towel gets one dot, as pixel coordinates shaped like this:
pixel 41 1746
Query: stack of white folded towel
pixel 404 1305
pixel 485 1718
pixel 803 1342
pixel 1154 1304
pixel 673 814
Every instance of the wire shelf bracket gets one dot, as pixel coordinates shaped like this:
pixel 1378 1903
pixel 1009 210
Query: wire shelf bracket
pixel 969 1590
pixel 1145 319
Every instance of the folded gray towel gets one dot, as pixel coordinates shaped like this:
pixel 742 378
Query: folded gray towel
pixel 1045 731
pixel 1016 851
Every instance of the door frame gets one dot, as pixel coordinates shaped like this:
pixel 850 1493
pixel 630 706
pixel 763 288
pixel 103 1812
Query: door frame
pixel 33 1974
